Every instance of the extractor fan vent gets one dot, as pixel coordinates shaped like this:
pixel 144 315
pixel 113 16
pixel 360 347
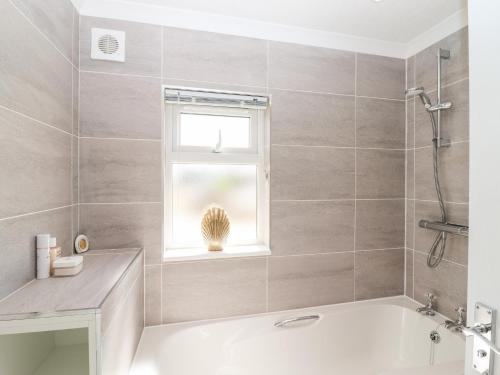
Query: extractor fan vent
pixel 108 45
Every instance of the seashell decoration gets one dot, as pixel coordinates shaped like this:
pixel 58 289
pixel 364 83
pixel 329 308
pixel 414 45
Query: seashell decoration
pixel 215 228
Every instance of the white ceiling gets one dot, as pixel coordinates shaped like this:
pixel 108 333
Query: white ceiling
pixel 388 21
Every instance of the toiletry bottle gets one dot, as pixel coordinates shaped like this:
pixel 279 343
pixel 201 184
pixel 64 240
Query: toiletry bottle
pixel 42 256
pixel 55 252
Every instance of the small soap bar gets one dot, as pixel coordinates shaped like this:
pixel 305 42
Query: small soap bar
pixel 68 266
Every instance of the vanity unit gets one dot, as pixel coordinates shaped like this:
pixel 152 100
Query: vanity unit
pixel 89 324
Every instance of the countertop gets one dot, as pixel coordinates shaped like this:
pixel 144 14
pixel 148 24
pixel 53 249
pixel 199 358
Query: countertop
pixel 102 271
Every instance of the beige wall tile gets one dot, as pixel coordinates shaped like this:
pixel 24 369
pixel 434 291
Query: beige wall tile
pixel 379 76
pixel 143 47
pixel 54 18
pixel 380 123
pixel 312 173
pixel 410 224
pixel 119 171
pixel 423 124
pixel 454 122
pixel 75 56
pixel 311 280
pixel 75 159
pixel 448 282
pixel 453 173
pixel 153 295
pixel 410 72
pixel 312 227
pixel 456 246
pixel 379 273
pixel 213 289
pixel 380 174
pixel 409 273
pixel 454 69
pixel 19 249
pixel 410 123
pixel 312 119
pixel 204 56
pixel 35 166
pixel 114 226
pixel 410 174
pixel 36 78
pixel 380 224
pixel 76 102
pixel 304 68
pixel 115 106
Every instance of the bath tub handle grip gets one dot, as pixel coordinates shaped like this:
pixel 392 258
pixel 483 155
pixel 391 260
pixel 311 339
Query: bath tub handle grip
pixel 286 322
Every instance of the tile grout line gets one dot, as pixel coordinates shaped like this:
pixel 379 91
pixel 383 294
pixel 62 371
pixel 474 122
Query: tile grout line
pixel 406 182
pixel 268 74
pixel 162 125
pixel 340 147
pixel 355 171
pixel 122 139
pixel 35 120
pixel 35 213
pixel 332 253
pixel 44 36
pixel 423 253
pixel 414 174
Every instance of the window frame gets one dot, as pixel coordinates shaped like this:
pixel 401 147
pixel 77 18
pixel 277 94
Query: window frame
pixel 256 154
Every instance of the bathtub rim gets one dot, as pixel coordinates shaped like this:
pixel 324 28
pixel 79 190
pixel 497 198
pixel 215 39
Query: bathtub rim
pixel 400 301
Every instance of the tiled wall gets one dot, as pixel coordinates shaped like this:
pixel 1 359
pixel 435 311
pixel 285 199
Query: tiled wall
pixel 338 151
pixel 38 127
pixel 449 280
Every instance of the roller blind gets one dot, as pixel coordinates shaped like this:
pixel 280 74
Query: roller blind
pixel 216 98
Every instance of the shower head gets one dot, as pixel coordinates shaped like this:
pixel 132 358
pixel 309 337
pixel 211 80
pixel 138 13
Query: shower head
pixel 421 93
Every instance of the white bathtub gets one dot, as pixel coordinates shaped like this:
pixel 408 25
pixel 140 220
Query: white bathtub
pixel 378 337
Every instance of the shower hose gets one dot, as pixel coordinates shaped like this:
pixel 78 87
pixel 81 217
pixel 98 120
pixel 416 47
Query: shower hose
pixel 436 252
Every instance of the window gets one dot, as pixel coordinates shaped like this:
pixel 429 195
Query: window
pixel 215 154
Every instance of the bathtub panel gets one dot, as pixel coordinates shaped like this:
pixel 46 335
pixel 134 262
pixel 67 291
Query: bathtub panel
pixel 213 289
pixel 310 280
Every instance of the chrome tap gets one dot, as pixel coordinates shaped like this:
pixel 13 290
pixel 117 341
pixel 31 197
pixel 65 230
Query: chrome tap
pixel 458 324
pixel 429 308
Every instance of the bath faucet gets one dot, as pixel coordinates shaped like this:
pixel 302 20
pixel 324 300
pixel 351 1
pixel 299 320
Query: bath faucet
pixel 429 308
pixel 458 324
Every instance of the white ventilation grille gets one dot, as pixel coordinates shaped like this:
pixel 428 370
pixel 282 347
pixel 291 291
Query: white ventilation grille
pixel 108 45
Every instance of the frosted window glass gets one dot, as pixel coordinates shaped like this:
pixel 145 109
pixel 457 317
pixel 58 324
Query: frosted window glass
pixel 232 187
pixel 203 130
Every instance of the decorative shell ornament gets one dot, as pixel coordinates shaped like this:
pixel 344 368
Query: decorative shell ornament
pixel 215 228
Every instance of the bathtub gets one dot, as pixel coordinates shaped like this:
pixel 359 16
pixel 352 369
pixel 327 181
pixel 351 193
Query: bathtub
pixel 377 337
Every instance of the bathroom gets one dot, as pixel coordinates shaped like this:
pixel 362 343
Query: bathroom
pixel 240 188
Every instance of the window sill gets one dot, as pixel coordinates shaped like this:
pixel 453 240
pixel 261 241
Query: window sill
pixel 180 255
